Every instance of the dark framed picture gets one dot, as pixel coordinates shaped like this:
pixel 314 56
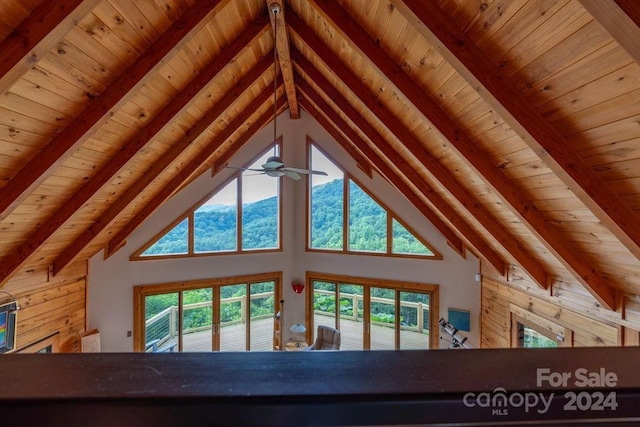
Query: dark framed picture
pixel 460 319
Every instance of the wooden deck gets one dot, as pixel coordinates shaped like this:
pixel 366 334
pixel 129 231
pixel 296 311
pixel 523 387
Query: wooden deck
pixel 233 337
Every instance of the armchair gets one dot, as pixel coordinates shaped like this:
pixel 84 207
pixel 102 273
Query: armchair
pixel 327 339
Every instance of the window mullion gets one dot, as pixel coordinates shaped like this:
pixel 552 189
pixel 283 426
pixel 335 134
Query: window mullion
pixel 345 213
pixel 239 213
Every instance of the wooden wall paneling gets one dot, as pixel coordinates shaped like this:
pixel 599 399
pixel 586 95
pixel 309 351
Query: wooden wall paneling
pixel 245 83
pixel 12 262
pixel 587 331
pixel 187 170
pixel 630 308
pixel 546 140
pixel 317 108
pixel 631 337
pixel 416 149
pixel 91 118
pixel 50 305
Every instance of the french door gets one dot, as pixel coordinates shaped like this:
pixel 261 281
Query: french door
pixel 230 314
pixel 374 314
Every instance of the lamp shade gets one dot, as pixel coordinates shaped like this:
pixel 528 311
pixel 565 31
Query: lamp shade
pixel 298 328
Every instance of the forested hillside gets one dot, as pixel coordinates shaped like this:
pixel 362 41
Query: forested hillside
pixel 215 226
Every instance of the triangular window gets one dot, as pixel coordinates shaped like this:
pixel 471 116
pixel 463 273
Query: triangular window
pixel 174 242
pixel 241 215
pixel 341 210
pixel 404 242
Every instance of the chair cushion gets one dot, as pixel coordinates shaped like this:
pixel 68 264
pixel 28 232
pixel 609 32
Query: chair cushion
pixel 327 339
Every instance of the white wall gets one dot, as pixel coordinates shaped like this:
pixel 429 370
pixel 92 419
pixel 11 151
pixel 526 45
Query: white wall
pixel 111 281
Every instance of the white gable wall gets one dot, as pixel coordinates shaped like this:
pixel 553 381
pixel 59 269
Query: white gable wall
pixel 111 281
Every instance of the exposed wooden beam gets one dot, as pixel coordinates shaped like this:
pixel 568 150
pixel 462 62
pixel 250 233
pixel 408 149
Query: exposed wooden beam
pixel 543 138
pixel 183 175
pixel 396 159
pixel 621 18
pixel 439 172
pixel 37 35
pixel 97 112
pixel 222 161
pixel 361 160
pixel 12 262
pixel 336 126
pixel 276 14
pixel 460 142
pixel 106 218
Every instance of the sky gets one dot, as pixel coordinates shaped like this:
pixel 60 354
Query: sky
pixel 259 187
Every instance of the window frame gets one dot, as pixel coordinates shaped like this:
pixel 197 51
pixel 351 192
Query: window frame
pixel 550 329
pixel 140 293
pixel 390 216
pixel 189 214
pixel 398 286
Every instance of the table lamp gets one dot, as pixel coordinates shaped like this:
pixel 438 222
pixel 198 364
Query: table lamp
pixel 298 329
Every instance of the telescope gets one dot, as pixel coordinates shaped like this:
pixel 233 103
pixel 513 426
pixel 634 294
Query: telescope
pixel 457 340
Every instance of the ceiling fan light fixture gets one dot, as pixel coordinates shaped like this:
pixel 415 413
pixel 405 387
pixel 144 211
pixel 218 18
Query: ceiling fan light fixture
pixel 274 8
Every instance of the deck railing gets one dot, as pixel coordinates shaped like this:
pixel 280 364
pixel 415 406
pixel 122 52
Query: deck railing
pixel 420 307
pixel 164 325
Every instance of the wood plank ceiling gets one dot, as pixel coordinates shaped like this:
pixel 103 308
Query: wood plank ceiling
pixel 513 125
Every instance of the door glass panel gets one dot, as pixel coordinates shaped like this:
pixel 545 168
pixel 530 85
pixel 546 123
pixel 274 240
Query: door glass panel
pixel 414 321
pixel 351 316
pixel 324 305
pixel 383 317
pixel 233 311
pixel 197 320
pixel 261 316
pixel 161 322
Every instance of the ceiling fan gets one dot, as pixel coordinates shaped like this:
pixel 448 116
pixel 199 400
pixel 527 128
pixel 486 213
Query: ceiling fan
pixel 275 166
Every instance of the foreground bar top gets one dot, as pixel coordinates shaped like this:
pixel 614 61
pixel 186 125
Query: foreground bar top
pixel 323 387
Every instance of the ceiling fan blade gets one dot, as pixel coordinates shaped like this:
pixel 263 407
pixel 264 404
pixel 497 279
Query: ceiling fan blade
pixel 305 171
pixel 291 174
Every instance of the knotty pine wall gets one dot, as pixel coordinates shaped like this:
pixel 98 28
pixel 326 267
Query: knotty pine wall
pixel 565 304
pixel 50 305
